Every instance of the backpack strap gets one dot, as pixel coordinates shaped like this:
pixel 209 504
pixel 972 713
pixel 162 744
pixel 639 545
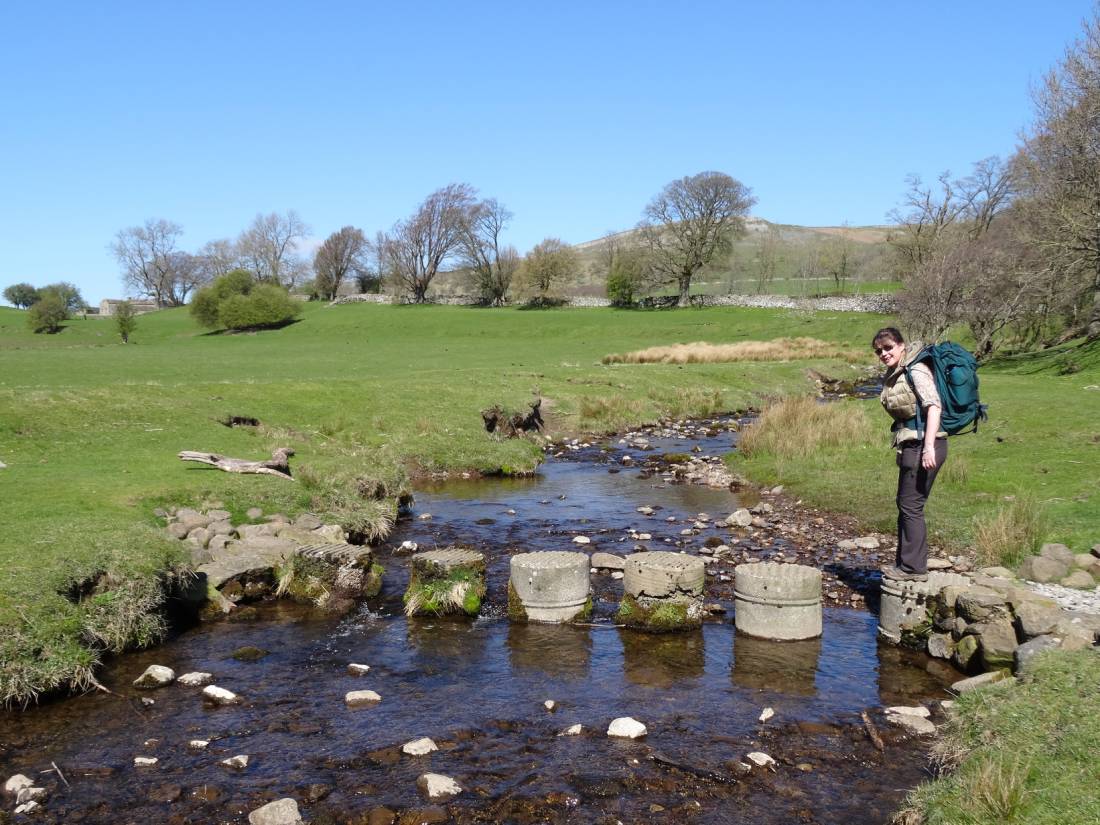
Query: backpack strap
pixel 918 419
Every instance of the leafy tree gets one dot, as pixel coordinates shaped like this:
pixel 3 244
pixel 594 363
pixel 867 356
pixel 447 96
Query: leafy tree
pixel 21 295
pixel 48 312
pixel 628 276
pixel 125 321
pixel 236 301
pixel 74 301
pixel 546 266
pixel 689 222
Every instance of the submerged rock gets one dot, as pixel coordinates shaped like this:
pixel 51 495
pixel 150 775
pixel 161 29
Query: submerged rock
pixel 437 786
pixel 279 812
pixel 196 678
pixel 155 676
pixel 419 747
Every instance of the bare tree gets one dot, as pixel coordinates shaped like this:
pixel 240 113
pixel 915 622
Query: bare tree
pixel 344 253
pixel 268 248
pixel 219 257
pixel 418 246
pixel 150 261
pixel 768 250
pixel 492 266
pixel 689 221
pixel 546 266
pixel 1059 167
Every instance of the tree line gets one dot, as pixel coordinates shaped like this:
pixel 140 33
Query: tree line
pixel 1012 250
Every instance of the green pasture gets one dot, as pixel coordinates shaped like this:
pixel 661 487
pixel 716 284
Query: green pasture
pixel 90 428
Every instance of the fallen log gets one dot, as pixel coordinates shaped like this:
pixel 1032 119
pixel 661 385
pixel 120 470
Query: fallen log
pixel 278 465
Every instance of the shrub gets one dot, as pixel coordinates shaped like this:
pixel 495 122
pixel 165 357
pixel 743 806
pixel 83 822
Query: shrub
pixel 47 313
pixel 627 278
pixel 125 321
pixel 235 301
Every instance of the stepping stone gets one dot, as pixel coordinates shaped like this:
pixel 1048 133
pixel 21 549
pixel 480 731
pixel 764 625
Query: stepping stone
pixel 443 582
pixel 777 601
pixel 662 591
pixel 550 586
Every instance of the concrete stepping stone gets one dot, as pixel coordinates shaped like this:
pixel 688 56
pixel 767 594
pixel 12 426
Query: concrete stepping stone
pixel 446 582
pixel 662 591
pixel 550 586
pixel 777 601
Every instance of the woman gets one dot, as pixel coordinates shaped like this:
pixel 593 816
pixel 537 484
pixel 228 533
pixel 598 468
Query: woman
pixel 920 443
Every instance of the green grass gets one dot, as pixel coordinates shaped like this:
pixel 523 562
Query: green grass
pixel 1024 752
pixel 1043 437
pixel 367 396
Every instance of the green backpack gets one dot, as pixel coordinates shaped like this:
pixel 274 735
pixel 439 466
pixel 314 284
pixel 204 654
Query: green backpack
pixel 955 371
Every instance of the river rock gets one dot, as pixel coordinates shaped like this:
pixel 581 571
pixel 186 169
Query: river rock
pixel 979 605
pixel 760 759
pixel 1036 617
pixel 979 681
pixel 214 695
pixel 941 645
pixel 1042 569
pixel 739 518
pixel 965 650
pixel 280 812
pixel 196 678
pixel 155 676
pixel 145 761
pixel 1059 552
pixel 1079 579
pixel 361 698
pixel 572 730
pixel 998 639
pixel 914 724
pixel 1023 654
pixel 437 786
pixel 237 763
pixel 358 670
pixel 27 807
pixel 31 794
pixel 198 744
pixel 419 747
pixel 581 540
pixel 16 783
pixel 866 543
pixel 607 561
pixel 626 727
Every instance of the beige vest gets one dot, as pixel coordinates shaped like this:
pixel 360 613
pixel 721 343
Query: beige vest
pixel 899 399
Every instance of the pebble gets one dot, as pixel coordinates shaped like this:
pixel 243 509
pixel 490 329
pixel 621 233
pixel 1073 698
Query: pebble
pixel 358 670
pixel 155 676
pixel 1085 601
pixel 766 714
pixel 419 747
pixel 238 762
pixel 425 517
pixel 550 705
pixel 581 540
pixel 572 730
pixel 145 761
pixel 220 696
pixel 760 759
pixel 27 807
pixel 198 744
pixel 358 698
pixel 196 678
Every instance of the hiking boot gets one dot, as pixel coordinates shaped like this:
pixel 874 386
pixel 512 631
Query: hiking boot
pixel 889 571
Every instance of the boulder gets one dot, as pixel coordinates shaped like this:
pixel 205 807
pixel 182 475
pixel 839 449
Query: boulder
pixel 739 518
pixel 437 786
pixel 1058 552
pixel 279 812
pixel 254 513
pixel 1028 650
pixel 866 543
pixel 941 645
pixel 1095 550
pixel 965 650
pixel 308 521
pixel 255 531
pixel 997 572
pixel 218 515
pixel 939 564
pixel 1043 570
pixel 1084 561
pixel 1073 635
pixel 1079 579
pixel 998 639
pixel 178 531
pixel 155 676
pixel 977 604
pixel 1036 617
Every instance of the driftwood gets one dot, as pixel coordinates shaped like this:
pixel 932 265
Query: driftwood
pixel 511 424
pixel 278 465
pixel 872 731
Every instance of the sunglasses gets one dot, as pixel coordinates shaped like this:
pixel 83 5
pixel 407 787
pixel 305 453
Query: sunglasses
pixel 880 350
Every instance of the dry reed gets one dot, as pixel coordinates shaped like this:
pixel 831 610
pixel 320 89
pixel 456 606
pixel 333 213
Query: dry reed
pixel 1011 534
pixel 700 352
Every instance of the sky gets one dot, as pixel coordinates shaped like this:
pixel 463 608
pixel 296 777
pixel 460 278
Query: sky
pixel 574 115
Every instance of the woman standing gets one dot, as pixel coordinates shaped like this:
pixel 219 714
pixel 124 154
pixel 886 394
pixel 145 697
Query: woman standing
pixel 920 444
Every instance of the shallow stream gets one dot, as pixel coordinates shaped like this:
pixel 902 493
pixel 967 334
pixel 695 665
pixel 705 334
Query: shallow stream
pixel 478 689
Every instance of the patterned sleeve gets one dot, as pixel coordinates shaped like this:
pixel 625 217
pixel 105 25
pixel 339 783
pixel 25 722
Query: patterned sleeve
pixel 925 386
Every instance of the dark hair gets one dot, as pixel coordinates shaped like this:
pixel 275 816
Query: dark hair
pixel 888 334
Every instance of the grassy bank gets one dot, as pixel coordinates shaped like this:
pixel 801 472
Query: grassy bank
pixel 1042 441
pixel 1021 751
pixel 89 431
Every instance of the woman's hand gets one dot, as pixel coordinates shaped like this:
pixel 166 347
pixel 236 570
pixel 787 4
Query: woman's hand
pixel 928 458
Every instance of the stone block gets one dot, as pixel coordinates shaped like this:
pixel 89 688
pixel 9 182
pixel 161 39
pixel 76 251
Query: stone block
pixel 551 586
pixel 661 574
pixel 448 581
pixel 778 601
pixel 980 681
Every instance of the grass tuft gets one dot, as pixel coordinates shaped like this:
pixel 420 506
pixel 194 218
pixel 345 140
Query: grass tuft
pixel 1010 535
pixel 801 426
pixel 700 352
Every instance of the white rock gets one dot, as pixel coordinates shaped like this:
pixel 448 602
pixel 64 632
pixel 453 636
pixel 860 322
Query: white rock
pixel 31 795
pixel 766 714
pixel 947 704
pixel 147 702
pixel 358 698
pixel 617 574
pixel 627 728
pixel 740 518
pixel 27 807
pixel 198 744
pixel 643 537
pixel 914 724
pixel 220 696
pixel 425 517
pixel 409 546
pixel 238 762
pixel 196 678
pixel 581 540
pixel 16 783
pixel 145 761
pixel 901 710
pixel 550 705
pixel 155 676
pixel 419 747
pixel 572 730
pixel 437 786
pixel 280 812
pixel 646 511
pixel 358 670
pixel 760 759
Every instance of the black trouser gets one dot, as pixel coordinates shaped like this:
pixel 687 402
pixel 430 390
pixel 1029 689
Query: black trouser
pixel 914 486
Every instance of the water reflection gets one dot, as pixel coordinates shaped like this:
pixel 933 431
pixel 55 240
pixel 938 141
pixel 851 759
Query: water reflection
pixel 560 651
pixel 662 659
pixel 786 667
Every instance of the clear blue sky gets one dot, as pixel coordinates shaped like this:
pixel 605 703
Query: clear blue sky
pixel 574 115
